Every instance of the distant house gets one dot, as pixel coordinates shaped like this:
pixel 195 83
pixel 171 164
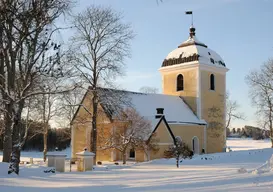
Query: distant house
pixel 192 106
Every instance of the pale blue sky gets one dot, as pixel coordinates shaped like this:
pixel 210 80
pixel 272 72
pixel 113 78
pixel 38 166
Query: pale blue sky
pixel 239 30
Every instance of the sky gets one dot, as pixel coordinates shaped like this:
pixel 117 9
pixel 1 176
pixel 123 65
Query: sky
pixel 238 30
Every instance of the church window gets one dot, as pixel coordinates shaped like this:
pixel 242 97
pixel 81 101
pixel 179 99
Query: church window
pixel 180 83
pixel 209 53
pixel 212 82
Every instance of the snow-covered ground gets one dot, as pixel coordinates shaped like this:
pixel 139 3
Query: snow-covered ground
pixel 214 172
pixel 36 155
pixel 238 144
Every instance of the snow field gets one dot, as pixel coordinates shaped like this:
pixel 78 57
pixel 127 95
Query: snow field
pixel 238 144
pixel 212 172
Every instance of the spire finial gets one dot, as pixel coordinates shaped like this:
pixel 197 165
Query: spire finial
pixel 190 13
pixel 192 29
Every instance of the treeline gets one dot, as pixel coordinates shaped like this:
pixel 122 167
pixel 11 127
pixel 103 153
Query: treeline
pixel 250 132
pixel 57 138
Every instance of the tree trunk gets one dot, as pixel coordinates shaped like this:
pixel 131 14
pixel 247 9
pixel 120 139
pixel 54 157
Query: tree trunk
pixel 7 141
pixel 177 161
pixel 16 140
pixel 124 157
pixel 271 130
pixel 94 125
pixel 45 141
pixel 270 121
pixel 15 156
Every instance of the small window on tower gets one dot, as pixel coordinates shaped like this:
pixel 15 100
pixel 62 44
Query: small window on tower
pixel 212 82
pixel 209 53
pixel 180 83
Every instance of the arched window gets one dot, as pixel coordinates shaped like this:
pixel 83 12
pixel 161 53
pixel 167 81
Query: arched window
pixel 212 82
pixel 180 83
pixel 195 145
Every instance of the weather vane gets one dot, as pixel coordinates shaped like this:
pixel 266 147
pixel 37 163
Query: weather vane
pixel 190 13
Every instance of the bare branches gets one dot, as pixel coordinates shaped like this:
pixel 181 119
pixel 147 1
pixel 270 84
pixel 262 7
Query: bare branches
pixel 27 44
pixel 132 132
pixel 261 92
pixel 232 111
pixel 147 89
pixel 29 54
pixel 69 102
pixel 102 42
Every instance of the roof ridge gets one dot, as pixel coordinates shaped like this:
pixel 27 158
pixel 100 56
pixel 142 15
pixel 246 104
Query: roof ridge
pixel 133 92
pixel 117 90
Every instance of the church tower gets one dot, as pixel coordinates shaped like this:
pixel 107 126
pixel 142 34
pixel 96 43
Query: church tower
pixel 198 75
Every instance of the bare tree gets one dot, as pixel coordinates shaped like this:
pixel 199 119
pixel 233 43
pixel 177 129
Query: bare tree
pixel 46 109
pixel 261 92
pixel 132 133
pixel 146 89
pixel 27 52
pixel 232 111
pixel 178 150
pixel 101 43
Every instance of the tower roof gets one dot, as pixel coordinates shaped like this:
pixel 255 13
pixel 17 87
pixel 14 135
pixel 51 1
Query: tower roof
pixel 193 50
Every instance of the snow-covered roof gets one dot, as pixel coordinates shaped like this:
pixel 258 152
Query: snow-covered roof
pixel 174 107
pixel 85 153
pixel 193 40
pixel 175 110
pixel 193 50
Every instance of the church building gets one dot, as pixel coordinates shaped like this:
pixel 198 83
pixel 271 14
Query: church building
pixel 192 106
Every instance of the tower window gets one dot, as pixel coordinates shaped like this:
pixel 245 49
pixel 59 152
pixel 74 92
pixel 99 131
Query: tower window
pixel 212 82
pixel 180 83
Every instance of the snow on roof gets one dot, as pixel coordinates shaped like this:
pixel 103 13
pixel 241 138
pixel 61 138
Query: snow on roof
pixel 174 107
pixel 193 50
pixel 175 110
pixel 85 153
pixel 193 40
pixel 206 55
